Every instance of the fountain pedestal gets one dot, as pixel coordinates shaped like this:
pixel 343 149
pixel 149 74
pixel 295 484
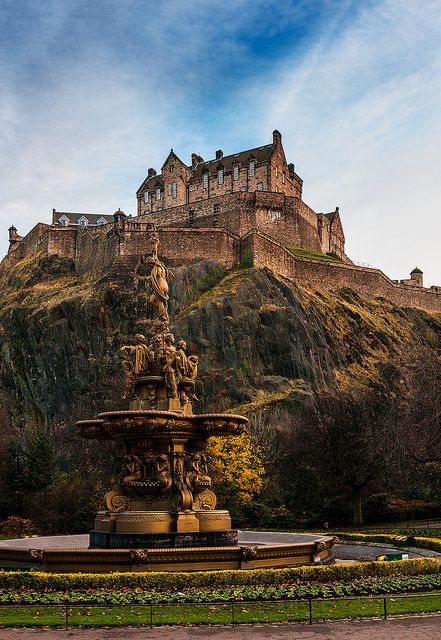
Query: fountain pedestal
pixel 162 497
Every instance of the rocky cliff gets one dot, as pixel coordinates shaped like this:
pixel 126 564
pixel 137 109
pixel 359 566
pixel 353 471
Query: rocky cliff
pixel 263 340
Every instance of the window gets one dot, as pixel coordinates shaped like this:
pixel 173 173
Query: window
pixel 205 180
pixel 174 190
pixel 191 217
pixel 260 186
pixel 277 171
pixel 169 189
pixel 277 189
pixel 220 176
pixel 236 172
pixel 63 221
pixel 82 222
pixel 283 177
pixel 158 193
pixel 244 189
pixel 216 209
pixel 252 168
pixel 146 197
pixel 100 221
pixel 171 167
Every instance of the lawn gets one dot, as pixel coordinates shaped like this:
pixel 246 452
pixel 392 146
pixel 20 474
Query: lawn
pixel 215 613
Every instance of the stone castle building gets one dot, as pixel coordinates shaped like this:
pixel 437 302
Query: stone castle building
pixel 252 189
pixel 243 209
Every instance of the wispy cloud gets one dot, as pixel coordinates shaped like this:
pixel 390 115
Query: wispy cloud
pixel 95 92
pixel 360 114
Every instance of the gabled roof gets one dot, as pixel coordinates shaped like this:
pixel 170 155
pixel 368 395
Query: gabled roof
pixel 259 154
pixel 172 155
pixel 332 214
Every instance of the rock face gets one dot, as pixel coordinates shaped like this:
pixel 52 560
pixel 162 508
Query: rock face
pixel 262 339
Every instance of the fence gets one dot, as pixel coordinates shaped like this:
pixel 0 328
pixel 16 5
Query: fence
pixel 231 612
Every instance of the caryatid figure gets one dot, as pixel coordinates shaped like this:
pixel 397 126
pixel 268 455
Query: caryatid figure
pixel 137 360
pixel 168 362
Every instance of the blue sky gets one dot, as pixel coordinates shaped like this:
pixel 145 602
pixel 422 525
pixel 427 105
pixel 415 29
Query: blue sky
pixel 93 93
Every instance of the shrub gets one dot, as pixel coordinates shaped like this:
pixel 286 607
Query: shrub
pixel 434 544
pixel 16 527
pixel 177 581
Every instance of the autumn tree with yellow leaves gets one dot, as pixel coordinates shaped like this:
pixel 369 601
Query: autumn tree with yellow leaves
pixel 237 470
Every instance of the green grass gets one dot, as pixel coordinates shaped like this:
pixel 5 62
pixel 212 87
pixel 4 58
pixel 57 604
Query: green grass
pixel 216 613
pixel 312 255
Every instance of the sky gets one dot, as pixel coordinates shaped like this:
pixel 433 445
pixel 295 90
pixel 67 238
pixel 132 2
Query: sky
pixel 93 92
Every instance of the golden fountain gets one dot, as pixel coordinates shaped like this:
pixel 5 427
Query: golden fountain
pixel 163 495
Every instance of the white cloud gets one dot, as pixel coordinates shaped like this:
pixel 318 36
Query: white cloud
pixel 360 115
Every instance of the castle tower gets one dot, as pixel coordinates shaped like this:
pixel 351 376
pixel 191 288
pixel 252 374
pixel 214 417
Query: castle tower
pixel 417 276
pixel 120 219
pixel 13 235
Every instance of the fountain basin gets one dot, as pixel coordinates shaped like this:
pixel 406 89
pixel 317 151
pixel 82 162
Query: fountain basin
pixel 255 549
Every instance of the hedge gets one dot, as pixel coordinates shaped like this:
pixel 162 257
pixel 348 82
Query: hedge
pixel 434 544
pixel 40 581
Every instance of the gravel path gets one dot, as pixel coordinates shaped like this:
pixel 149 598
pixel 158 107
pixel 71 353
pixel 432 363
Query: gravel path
pixel 416 628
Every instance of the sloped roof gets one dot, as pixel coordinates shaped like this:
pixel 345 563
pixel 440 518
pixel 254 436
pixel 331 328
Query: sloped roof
pixel 260 154
pixel 74 218
pixel 330 215
pixel 152 182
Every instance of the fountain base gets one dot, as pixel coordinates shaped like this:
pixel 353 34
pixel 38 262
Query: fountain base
pixel 100 540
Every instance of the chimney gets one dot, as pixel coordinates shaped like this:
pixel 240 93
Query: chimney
pixel 277 137
pixel 291 168
pixel 219 154
pixel 151 172
pixel 417 276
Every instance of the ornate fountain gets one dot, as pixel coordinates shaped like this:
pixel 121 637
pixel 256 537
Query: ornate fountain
pixel 160 514
pixel 162 497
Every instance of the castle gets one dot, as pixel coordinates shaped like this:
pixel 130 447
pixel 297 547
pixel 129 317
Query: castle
pixel 244 209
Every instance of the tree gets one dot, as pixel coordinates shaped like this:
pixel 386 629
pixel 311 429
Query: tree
pixel 237 468
pixel 351 438
pixel 30 468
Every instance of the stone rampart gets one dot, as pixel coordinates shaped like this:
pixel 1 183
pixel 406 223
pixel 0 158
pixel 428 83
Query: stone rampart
pixel 98 248
pixel 186 245
pixel 34 241
pixel 368 282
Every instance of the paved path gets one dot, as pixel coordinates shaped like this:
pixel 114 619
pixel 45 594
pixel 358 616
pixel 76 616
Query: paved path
pixel 428 628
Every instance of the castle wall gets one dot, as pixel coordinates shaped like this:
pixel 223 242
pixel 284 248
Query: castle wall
pixel 31 243
pixel 258 250
pixel 96 249
pixel 368 282
pixel 287 219
pixel 61 241
pixel 186 245
pixel 281 180
pixel 308 235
